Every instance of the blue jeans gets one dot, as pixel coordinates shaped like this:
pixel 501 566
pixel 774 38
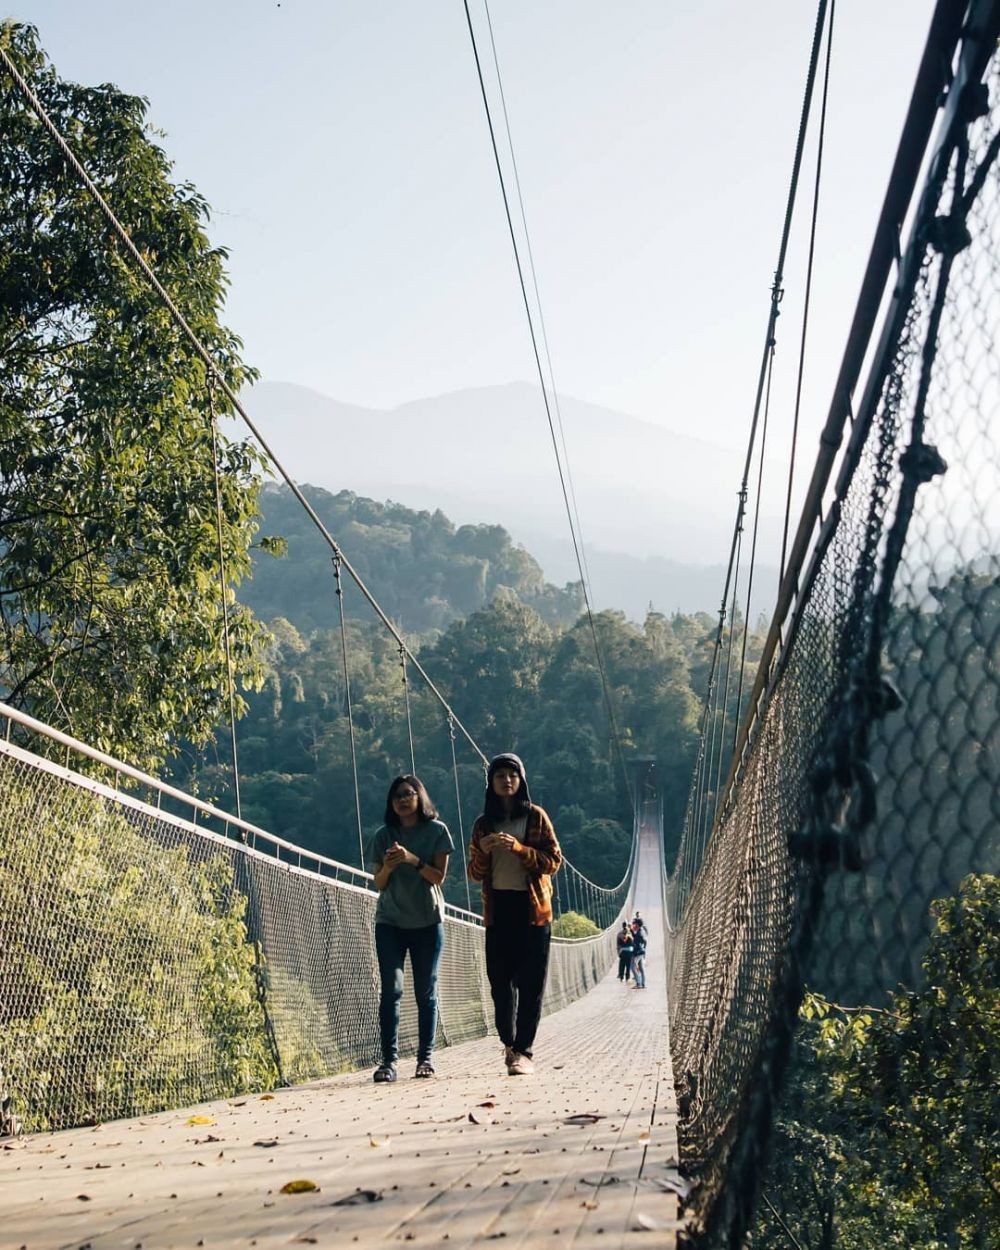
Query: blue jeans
pixel 424 947
pixel 639 970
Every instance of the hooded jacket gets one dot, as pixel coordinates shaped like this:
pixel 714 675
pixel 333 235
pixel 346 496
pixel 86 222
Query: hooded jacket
pixel 539 853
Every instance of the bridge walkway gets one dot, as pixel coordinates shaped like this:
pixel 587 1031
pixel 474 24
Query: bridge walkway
pixel 583 1153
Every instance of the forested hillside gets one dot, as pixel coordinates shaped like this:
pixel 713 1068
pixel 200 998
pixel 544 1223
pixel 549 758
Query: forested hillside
pixel 512 654
pixel 425 571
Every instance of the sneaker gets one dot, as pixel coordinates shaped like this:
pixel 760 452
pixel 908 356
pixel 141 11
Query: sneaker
pixel 424 1068
pixel 508 1055
pixel 520 1065
pixel 382 1075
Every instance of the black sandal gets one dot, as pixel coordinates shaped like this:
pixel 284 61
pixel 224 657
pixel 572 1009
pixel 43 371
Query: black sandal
pixel 424 1068
pixel 384 1074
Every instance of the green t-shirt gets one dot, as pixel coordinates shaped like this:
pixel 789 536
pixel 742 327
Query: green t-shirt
pixel 409 901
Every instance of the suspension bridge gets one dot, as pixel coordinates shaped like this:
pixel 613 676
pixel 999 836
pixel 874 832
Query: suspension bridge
pixel 187 1001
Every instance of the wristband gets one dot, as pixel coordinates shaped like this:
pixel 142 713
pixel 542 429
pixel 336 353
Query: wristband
pixel 420 865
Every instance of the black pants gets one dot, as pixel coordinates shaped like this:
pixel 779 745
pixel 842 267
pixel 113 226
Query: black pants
pixel 624 965
pixel 517 959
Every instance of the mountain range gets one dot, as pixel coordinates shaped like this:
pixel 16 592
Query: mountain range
pixel 656 507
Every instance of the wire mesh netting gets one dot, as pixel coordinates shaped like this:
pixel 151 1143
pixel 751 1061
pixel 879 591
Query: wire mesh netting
pixel 851 875
pixel 147 962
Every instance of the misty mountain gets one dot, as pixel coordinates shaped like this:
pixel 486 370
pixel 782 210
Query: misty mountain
pixel 656 507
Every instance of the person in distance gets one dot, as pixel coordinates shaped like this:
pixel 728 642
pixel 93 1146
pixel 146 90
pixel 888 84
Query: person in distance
pixel 514 854
pixel 411 858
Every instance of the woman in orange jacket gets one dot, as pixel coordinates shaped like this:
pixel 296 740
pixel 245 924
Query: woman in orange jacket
pixel 514 853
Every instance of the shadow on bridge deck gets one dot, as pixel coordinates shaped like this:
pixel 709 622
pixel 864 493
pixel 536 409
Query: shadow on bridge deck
pixel 583 1153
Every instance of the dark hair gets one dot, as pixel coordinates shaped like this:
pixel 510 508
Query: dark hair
pixel 425 808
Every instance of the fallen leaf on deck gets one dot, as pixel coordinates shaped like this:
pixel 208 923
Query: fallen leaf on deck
pixel 589 1205
pixel 645 1135
pixel 678 1184
pixel 599 1180
pixel 472 1119
pixel 646 1223
pixel 241 1103
pixel 200 1141
pixel 358 1198
pixel 267 1144
pixel 83 1197
pixel 584 1117
pixel 309 1241
pixel 379 1141
pixel 267 1098
pixel 200 1119
pixel 486 1104
pixel 510 1171
pixel 299 1187
pixel 93 1167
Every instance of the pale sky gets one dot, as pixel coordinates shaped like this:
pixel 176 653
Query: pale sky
pixel 343 147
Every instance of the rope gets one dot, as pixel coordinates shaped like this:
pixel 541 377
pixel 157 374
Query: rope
pixel 350 708
pixel 213 371
pixel 808 292
pixel 223 595
pixel 605 684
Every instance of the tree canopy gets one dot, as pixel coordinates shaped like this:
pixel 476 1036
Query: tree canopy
pixel 110 602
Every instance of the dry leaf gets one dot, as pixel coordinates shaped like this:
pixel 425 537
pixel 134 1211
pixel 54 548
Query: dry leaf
pixel 200 1119
pixel 83 1197
pixel 589 1205
pixel 510 1171
pixel 358 1198
pixel 647 1223
pixel 200 1141
pixel 486 1104
pixel 267 1098
pixel 584 1117
pixel 472 1119
pixel 273 1141
pixel 645 1135
pixel 379 1141
pixel 299 1187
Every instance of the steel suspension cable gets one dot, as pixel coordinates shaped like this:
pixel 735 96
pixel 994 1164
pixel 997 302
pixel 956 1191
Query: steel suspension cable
pixel 224 597
pixel 213 371
pixel 538 299
pixel 605 684
pixel 808 291
pixel 776 295
pixel 350 707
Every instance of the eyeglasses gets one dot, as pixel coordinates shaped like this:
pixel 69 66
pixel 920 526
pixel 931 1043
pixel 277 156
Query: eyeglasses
pixel 404 794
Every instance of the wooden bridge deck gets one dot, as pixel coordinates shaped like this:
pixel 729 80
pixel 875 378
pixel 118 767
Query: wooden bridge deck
pixel 583 1153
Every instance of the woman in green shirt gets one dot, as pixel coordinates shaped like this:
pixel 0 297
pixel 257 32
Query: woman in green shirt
pixel 411 858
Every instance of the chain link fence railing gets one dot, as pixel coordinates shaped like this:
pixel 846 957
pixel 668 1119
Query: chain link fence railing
pixel 851 874
pixel 151 960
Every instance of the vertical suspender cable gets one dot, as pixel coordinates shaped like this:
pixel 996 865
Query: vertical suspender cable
pixel 224 596
pixel 808 291
pixel 406 698
pixel 350 708
pixel 605 683
pixel 458 809
pixel 737 718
